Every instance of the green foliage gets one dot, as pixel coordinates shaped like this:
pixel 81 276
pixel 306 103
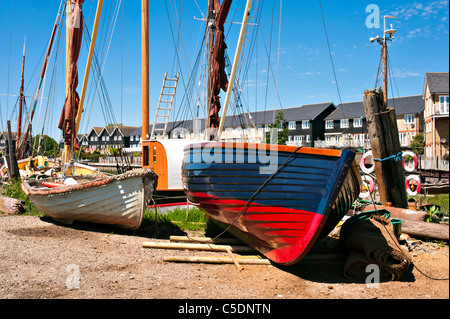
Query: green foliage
pixel 14 190
pixel 280 122
pixel 418 144
pixel 48 146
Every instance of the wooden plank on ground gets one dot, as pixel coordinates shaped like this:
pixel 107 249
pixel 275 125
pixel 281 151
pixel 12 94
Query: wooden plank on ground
pixel 206 247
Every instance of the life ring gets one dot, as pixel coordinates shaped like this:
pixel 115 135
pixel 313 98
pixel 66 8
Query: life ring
pixel 413 189
pixel 416 161
pixel 367 187
pixel 362 163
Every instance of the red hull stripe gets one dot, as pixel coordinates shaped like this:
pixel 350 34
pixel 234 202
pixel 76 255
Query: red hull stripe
pixel 282 234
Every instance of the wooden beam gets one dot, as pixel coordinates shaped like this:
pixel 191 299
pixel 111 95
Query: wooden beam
pixel 205 247
pixel 384 140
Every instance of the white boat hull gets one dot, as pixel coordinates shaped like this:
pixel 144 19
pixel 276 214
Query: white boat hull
pixel 119 200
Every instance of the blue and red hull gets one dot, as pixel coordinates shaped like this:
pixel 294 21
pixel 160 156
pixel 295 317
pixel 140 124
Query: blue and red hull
pixel 277 199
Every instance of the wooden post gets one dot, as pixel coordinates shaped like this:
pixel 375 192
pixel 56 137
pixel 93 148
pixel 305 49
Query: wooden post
pixel 13 167
pixel 145 82
pixel 383 134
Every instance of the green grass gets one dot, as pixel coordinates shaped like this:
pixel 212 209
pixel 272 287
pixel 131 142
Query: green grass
pixel 13 189
pixel 441 200
pixel 194 221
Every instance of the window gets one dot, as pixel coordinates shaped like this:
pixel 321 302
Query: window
pixel 329 125
pixel 259 128
pixel 308 138
pixel 344 123
pixel 280 127
pixel 357 122
pixel 443 104
pixel 409 118
pixel 305 125
pixel 403 139
pixel 267 128
pixel 292 125
pixel 297 139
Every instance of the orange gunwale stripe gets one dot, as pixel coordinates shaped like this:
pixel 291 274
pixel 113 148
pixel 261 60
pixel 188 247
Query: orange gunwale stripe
pixel 280 148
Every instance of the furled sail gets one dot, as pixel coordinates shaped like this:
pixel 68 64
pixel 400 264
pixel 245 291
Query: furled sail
pixel 219 79
pixel 67 119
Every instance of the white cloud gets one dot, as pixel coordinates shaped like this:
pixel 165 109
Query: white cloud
pixel 404 73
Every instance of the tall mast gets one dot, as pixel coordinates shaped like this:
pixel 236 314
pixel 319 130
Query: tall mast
pixel 68 39
pixel 210 25
pixel 69 25
pixel 21 98
pixel 235 64
pixel 21 148
pixel 88 65
pixel 145 80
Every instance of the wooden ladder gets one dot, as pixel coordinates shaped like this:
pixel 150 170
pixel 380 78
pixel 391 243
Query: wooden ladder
pixel 168 90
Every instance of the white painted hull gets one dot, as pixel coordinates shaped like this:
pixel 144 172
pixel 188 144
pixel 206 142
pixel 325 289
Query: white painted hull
pixel 120 200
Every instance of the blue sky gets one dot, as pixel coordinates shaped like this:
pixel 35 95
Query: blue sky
pixel 300 60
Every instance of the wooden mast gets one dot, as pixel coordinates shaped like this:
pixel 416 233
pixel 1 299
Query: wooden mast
pixel 210 24
pixel 145 82
pixel 21 98
pixel 67 148
pixel 88 65
pixel 234 70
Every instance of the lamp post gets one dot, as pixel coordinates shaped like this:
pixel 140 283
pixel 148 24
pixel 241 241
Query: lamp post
pixel 388 35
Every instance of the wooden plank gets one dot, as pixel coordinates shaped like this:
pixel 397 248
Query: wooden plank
pixel 205 247
pixel 11 205
pixel 418 229
pixel 206 240
pixel 216 260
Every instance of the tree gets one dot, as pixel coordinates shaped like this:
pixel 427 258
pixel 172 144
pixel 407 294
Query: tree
pixel 418 144
pixel 46 145
pixel 281 127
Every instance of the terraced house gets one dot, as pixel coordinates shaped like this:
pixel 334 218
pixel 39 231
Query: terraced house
pixel 436 96
pixel 103 138
pixel 347 126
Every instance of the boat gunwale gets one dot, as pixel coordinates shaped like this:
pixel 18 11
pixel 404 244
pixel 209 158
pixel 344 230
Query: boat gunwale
pixel 268 147
pixel 97 181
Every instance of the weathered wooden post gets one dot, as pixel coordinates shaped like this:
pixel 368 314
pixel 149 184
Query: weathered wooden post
pixel 384 140
pixel 12 163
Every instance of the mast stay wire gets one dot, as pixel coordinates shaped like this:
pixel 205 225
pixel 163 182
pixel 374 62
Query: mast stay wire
pixel 331 58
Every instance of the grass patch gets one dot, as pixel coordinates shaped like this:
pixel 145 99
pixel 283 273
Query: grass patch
pixel 195 220
pixel 13 189
pixel 442 200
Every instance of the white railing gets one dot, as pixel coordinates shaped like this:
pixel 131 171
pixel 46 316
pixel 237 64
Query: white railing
pixel 435 163
pixel 440 109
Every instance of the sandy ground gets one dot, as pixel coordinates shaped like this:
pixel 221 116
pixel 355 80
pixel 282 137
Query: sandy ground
pixel 40 259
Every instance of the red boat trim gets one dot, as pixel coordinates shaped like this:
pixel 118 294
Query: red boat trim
pixel 284 235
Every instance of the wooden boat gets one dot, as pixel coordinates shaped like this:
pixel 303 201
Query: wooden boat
pixel 118 200
pixel 280 214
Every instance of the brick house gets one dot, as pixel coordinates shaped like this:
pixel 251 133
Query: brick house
pixel 436 116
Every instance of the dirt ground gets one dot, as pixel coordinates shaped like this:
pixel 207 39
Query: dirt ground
pixel 40 259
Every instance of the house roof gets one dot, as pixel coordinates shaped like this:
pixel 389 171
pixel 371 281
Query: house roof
pixel 402 105
pixel 438 82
